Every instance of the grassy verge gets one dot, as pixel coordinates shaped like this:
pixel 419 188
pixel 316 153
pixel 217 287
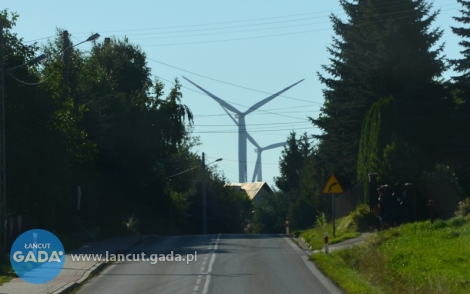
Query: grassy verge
pixel 343 275
pixel 413 258
pixel 345 229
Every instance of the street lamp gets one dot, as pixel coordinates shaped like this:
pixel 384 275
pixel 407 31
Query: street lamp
pixel 3 211
pixel 204 215
pixel 66 51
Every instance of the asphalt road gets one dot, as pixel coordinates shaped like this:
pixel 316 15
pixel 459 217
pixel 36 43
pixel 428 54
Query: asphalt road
pixel 224 264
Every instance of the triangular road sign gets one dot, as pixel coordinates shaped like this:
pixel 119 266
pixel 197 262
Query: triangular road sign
pixel 332 186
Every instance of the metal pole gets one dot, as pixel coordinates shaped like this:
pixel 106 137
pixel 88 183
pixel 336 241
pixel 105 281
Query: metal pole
pixel 333 212
pixel 3 215
pixel 204 220
pixel 66 50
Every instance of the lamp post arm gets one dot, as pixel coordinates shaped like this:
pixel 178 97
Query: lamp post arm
pixel 184 171
pixel 33 61
pixel 220 159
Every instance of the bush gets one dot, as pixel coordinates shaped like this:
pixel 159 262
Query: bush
pixel 364 219
pixel 458 221
pixel 463 209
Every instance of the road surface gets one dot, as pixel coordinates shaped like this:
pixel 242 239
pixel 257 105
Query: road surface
pixel 213 264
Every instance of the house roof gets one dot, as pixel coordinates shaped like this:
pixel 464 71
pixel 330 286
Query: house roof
pixel 252 189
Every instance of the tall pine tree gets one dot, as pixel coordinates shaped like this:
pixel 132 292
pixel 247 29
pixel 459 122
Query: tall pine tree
pixel 459 143
pixel 383 48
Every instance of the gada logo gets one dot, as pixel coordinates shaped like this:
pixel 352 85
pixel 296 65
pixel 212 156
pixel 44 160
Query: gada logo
pixel 37 256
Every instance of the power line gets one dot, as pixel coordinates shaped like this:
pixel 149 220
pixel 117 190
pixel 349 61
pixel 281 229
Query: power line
pixel 31 84
pixel 235 102
pixel 231 84
pixel 251 131
pixel 266 124
pixel 383 5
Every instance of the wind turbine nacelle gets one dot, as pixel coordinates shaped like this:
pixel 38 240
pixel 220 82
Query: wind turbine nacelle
pixel 256 150
pixel 237 116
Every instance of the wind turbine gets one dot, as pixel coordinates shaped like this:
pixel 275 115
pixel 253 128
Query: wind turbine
pixel 257 173
pixel 258 168
pixel 242 134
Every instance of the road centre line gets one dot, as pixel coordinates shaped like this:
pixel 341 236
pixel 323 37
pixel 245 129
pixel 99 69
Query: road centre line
pixel 212 247
pixel 211 264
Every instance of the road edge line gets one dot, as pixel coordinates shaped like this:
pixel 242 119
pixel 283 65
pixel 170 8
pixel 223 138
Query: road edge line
pixel 322 278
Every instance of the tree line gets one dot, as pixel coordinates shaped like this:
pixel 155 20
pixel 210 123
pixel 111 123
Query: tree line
pixel 387 109
pixel 99 120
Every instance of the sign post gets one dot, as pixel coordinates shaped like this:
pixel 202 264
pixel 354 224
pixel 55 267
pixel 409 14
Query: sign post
pixel 333 187
pixel 325 238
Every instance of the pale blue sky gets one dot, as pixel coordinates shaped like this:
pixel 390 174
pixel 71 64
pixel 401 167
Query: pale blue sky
pixel 262 45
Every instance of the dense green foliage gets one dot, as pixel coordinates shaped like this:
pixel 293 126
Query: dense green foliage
pixel 299 209
pixel 459 143
pixel 380 128
pixel 383 49
pixel 104 124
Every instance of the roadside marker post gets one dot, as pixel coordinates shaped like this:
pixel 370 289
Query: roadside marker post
pixel 325 237
pixel 333 187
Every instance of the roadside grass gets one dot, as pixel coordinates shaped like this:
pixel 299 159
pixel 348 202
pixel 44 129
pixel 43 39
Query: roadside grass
pixel 413 258
pixel 345 229
pixel 344 276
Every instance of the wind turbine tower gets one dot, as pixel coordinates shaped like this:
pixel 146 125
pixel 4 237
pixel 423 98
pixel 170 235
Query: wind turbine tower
pixel 242 134
pixel 257 173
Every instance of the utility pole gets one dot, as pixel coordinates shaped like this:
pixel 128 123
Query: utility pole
pixel 3 211
pixel 66 50
pixel 204 220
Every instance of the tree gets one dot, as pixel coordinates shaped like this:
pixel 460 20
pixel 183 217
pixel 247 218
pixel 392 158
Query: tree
pixel 38 150
pixel 300 210
pixel 270 214
pixel 383 49
pixel 459 143
pixel 381 127
pixel 291 162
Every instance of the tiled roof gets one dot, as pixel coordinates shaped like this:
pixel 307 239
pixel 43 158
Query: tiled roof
pixel 252 189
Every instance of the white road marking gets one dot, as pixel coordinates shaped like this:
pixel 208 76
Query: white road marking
pixel 198 281
pixel 313 269
pixel 211 264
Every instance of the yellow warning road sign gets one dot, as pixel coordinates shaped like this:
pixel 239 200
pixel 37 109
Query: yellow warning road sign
pixel 332 186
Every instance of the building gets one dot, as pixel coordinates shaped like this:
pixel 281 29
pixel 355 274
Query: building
pixel 254 190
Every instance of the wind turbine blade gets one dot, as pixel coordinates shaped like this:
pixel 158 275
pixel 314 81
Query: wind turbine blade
pixel 264 101
pixel 220 101
pixel 274 146
pixel 252 141
pixel 234 120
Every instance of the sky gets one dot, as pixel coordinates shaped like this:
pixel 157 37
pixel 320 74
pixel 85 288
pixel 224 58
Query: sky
pixel 241 51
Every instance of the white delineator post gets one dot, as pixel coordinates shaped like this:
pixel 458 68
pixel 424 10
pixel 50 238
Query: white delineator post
pixel 326 242
pixel 287 227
